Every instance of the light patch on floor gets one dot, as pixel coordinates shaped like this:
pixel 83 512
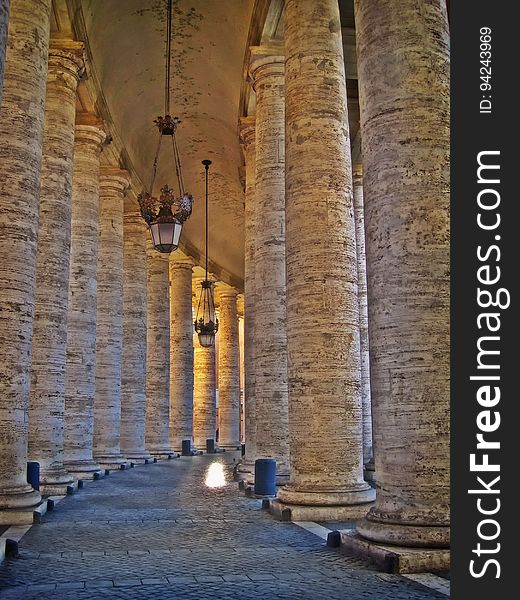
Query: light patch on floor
pixel 215 477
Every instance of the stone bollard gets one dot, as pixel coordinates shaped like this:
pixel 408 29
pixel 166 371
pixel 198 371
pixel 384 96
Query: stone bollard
pixel 265 477
pixel 33 474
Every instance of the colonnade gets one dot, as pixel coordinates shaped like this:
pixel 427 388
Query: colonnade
pixel 346 280
pixel 97 345
pixel 363 273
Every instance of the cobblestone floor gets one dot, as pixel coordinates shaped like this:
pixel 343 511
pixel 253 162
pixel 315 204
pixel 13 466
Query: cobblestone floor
pixel 157 532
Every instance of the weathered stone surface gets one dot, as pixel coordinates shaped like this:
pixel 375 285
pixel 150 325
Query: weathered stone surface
pixel 4 22
pixel 181 352
pixel 248 138
pixel 326 433
pixel 157 353
pixel 49 345
pixel 21 134
pixel 80 378
pixel 133 369
pixel 204 394
pixel 404 93
pixel 366 400
pixel 397 559
pixel 228 370
pixel 113 183
pixel 270 337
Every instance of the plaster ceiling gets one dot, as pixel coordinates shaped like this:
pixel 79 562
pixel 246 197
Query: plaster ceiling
pixel 126 40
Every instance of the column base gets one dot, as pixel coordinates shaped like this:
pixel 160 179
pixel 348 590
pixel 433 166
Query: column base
pixel 299 512
pixel 139 458
pixel 242 471
pixel 231 447
pixel 55 482
pixel 84 469
pixel 162 452
pixel 397 559
pixel 112 462
pixel 18 504
pixel 407 535
pixel 369 471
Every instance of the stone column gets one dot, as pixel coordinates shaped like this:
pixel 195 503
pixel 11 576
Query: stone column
pixel 247 138
pixel 181 352
pixel 270 335
pixel 157 354
pixel 326 431
pixel 21 133
pixel 4 23
pixel 113 183
pixel 49 346
pixel 80 377
pixel 133 376
pixel 228 370
pixel 405 112
pixel 366 400
pixel 204 387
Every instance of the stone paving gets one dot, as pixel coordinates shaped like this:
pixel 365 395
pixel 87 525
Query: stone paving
pixel 157 532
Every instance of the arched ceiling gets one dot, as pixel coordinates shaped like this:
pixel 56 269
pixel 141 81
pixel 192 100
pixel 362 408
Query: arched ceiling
pixel 126 41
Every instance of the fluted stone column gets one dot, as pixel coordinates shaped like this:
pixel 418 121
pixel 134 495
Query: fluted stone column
pixel 49 347
pixel 157 354
pixel 326 431
pixel 270 335
pixel 204 388
pixel 133 370
pixel 366 400
pixel 4 22
pixel 21 133
pixel 228 370
pixel 181 352
pixel 247 138
pixel 113 183
pixel 404 93
pixel 80 377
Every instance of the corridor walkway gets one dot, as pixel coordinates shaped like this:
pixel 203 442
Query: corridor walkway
pixel 157 532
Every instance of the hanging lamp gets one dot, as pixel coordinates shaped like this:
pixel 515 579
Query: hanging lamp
pixel 206 322
pixel 166 211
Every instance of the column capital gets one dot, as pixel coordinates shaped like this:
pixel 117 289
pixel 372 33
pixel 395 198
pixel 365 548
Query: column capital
pixel 266 61
pixel 113 181
pixel 181 262
pixel 90 130
pixel 67 56
pixel 357 174
pixel 247 131
pixel 223 290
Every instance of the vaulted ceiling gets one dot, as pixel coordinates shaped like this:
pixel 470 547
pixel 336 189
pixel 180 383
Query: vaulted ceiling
pixel 126 48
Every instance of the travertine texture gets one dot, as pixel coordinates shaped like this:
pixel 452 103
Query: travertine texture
pixel 204 394
pixel 228 370
pixel 113 183
pixel 157 353
pixel 326 433
pixel 21 133
pixel 4 22
pixel 248 137
pixel 49 345
pixel 181 352
pixel 366 401
pixel 270 337
pixel 403 54
pixel 80 377
pixel 133 370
